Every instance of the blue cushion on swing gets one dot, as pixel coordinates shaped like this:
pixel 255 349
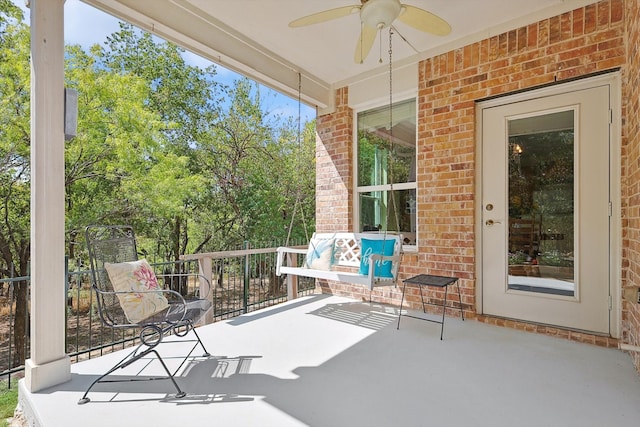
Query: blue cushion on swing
pixel 380 247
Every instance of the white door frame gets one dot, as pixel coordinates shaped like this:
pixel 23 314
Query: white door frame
pixel 614 80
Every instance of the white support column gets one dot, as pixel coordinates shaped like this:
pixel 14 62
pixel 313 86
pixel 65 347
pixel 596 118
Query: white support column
pixel 49 365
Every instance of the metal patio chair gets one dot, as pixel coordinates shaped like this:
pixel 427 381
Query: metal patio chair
pixel 129 297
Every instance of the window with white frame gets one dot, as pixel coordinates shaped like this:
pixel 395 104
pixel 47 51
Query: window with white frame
pixel 386 170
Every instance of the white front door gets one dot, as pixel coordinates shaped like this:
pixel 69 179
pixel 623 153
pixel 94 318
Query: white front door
pixel 546 209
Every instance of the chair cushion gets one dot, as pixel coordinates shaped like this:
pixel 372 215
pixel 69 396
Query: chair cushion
pixel 136 278
pixel 320 255
pixel 381 247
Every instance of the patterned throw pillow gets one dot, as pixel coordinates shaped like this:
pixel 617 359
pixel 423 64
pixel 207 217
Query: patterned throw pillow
pixel 320 254
pixel 134 277
pixel 382 247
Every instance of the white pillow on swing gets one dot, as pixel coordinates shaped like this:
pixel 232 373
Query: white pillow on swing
pixel 320 255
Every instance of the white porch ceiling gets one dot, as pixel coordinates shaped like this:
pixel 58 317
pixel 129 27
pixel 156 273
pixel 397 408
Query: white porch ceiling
pixel 252 37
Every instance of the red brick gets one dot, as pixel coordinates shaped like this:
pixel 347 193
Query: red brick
pixel 603 14
pixel 578 22
pixel 590 18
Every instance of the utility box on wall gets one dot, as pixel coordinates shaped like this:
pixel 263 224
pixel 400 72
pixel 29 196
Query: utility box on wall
pixel 70 113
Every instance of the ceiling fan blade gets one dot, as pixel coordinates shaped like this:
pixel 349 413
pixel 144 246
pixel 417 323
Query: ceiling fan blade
pixel 367 37
pixel 324 16
pixel 425 21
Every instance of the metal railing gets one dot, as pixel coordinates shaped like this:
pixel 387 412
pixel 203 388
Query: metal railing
pixel 242 281
pixel 9 366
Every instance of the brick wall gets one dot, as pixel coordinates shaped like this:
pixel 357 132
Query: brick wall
pixel 587 40
pixel 334 167
pixel 580 42
pixel 631 176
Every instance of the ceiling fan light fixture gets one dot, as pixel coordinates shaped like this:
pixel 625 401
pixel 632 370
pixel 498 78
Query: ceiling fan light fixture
pixel 380 13
pixel 376 15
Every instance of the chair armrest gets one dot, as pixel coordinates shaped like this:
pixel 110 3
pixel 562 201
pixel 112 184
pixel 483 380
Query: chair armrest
pixel 169 291
pixel 191 309
pixel 395 259
pixel 173 298
pixel 392 258
pixel 282 250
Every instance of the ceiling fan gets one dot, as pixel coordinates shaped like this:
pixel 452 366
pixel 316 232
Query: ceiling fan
pixel 376 15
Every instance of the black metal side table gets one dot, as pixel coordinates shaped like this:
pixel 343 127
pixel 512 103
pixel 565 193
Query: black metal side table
pixel 429 280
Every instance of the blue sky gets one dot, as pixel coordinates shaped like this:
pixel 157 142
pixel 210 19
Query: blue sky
pixel 86 26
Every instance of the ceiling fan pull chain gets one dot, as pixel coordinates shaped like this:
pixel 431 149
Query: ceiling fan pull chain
pixel 380 36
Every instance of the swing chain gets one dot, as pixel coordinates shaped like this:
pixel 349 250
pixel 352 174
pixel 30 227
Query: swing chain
pixel 298 196
pixel 391 143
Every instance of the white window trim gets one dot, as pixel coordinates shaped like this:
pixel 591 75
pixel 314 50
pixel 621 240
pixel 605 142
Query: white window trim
pixel 397 186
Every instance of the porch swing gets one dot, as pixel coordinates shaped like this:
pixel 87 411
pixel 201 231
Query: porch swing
pixel 363 258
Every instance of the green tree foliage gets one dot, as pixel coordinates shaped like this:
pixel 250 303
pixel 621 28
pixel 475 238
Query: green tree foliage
pixel 161 145
pixel 14 138
pixel 297 182
pixel 223 162
pixel 251 162
pixel 192 164
pixel 118 141
pixel 184 99
pixel 14 161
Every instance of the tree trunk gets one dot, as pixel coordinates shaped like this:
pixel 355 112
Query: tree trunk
pixel 20 323
pixel 182 285
pixel 21 329
pixel 72 244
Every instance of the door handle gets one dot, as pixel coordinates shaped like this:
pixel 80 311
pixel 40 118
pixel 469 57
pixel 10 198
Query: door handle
pixel 490 222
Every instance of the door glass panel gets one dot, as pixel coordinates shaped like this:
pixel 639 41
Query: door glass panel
pixel 541 204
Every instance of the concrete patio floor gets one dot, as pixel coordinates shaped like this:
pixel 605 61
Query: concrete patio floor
pixel 330 361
